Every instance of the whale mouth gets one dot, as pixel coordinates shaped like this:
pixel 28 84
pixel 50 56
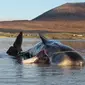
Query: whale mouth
pixel 40 58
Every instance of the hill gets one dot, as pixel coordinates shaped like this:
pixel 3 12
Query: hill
pixel 68 11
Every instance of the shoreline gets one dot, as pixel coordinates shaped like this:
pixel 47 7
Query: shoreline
pixel 61 35
pixel 3 37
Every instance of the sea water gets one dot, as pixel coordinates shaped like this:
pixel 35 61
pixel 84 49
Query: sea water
pixel 13 73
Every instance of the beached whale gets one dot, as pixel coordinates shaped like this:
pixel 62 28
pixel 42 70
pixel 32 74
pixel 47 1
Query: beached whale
pixel 57 53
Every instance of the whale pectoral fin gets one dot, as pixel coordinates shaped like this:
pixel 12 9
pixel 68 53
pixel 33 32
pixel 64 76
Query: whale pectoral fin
pixel 68 58
pixel 13 50
pixel 44 40
pixel 75 56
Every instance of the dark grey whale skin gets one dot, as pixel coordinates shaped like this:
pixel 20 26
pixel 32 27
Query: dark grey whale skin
pixel 55 50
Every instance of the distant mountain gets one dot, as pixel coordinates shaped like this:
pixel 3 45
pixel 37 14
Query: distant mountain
pixel 68 11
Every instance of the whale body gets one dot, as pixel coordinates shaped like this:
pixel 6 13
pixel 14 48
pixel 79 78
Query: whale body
pixel 57 52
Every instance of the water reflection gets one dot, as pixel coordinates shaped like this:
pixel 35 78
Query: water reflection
pixel 19 74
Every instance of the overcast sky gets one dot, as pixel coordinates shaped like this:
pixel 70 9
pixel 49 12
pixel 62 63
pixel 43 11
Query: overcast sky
pixel 28 9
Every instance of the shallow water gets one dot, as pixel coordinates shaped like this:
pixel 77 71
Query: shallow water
pixel 13 73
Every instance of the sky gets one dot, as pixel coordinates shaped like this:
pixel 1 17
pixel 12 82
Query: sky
pixel 28 9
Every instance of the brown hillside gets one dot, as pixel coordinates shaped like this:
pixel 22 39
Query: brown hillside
pixel 43 26
pixel 68 11
pixel 69 17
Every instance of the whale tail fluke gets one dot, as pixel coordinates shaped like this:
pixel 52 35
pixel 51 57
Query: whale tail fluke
pixel 18 42
pixel 13 50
